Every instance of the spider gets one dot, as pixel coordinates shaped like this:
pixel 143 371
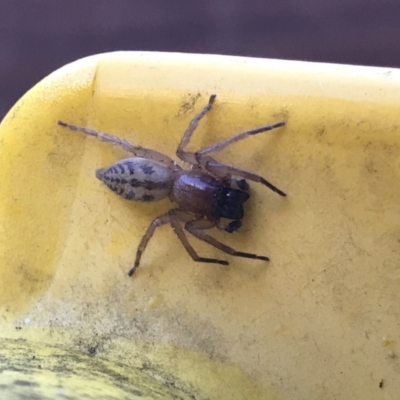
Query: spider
pixel 204 194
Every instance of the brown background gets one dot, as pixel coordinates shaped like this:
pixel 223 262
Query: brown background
pixel 39 36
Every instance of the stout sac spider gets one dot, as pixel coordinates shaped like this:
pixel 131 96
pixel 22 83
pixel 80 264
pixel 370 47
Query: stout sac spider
pixel 204 194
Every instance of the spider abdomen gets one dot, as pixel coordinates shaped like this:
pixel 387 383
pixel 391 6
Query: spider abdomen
pixel 198 192
pixel 137 179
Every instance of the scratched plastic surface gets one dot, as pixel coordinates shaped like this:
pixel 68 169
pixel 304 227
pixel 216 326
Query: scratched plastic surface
pixel 319 321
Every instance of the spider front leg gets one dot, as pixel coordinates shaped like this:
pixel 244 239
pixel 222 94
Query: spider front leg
pixel 203 157
pixel 196 228
pixel 222 170
pixel 174 217
pixel 138 151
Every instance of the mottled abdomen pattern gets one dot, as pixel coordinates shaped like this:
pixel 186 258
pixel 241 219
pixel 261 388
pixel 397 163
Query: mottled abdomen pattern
pixel 137 179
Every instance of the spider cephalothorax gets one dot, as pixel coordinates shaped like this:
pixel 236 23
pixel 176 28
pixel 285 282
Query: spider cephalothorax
pixel 204 194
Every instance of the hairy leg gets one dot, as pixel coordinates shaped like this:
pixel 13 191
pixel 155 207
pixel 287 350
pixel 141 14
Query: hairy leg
pixel 181 151
pixel 177 216
pixel 222 170
pixel 215 148
pixel 196 228
pixel 159 221
pixel 138 151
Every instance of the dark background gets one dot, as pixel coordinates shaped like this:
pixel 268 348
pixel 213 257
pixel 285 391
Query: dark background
pixel 39 36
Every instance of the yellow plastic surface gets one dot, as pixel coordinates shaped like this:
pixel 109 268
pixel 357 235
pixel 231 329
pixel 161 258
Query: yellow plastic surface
pixel 320 321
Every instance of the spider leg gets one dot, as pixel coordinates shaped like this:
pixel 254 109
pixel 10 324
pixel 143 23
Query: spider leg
pixel 196 228
pixel 175 217
pixel 181 150
pixel 223 169
pixel 236 138
pixel 159 221
pixel 138 151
